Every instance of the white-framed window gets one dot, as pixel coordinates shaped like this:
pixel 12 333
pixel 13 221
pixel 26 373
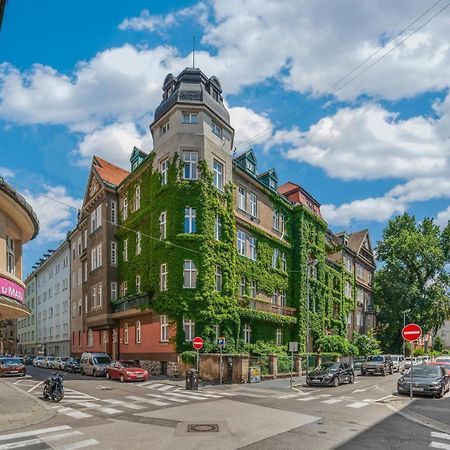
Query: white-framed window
pixel 165 128
pixel 242 285
pixel 124 288
pixel 276 220
pixel 275 256
pixel 348 291
pixel 99 255
pixel 113 291
pixel 349 318
pixel 189 274
pixel 164 326
pixel 94 297
pixel 253 204
pixel 360 295
pixel 94 258
pixel 272 183
pixel 90 342
pixel 189 118
pixel 163 277
pixel 218 278
pixel 190 220
pixel 218 228
pixel 218 175
pixel 163 225
pixel 125 250
pixel 79 252
pixel 113 211
pixel 190 171
pixel 138 284
pixel 348 264
pixel 125 333
pixel 282 223
pixel 189 329
pixel 96 218
pixel 124 208
pixel 216 129
pixel 138 242
pixel 241 242
pixel 247 333
pixel 359 271
pixel 242 198
pixel 283 298
pixel 164 170
pixel 275 297
pixel 99 295
pixel 252 247
pixel 137 197
pixel 85 266
pixel 10 255
pixel 85 245
pixel 253 288
pixel 86 304
pixel 113 253
pixel 283 262
pixel 279 337
pixel 250 166
pixel 138 332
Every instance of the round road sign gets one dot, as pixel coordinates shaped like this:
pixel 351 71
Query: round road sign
pixel 411 332
pixel 197 343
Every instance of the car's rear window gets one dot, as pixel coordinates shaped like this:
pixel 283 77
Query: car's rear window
pixel 375 358
pixel 10 361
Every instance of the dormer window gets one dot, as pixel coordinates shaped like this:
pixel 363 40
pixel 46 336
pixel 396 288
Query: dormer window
pixel 250 166
pixel 272 183
pixel 164 128
pixel 216 96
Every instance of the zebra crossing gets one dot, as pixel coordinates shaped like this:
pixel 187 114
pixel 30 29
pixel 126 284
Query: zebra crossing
pixel 61 437
pixel 328 399
pixel 435 443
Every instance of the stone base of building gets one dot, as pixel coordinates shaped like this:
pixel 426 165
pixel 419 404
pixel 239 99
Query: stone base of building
pixel 156 368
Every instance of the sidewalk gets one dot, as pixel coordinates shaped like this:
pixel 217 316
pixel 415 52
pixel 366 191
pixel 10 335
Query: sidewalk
pixel 20 409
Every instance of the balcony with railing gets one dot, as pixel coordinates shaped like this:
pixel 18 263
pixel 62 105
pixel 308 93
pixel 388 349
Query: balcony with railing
pixel 266 306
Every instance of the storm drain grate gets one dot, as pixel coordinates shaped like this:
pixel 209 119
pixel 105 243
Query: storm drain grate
pixel 203 428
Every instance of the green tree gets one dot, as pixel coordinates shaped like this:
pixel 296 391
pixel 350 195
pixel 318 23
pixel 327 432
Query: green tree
pixel 335 344
pixel 366 344
pixel 438 344
pixel 413 277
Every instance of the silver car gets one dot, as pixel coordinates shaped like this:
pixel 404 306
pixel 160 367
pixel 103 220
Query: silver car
pixel 47 362
pixel 398 363
pixel 37 362
pixel 59 363
pixel 94 364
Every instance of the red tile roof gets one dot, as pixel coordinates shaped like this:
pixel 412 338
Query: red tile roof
pixel 109 172
pixel 296 194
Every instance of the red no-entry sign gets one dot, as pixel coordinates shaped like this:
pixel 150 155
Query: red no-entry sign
pixel 197 343
pixel 411 332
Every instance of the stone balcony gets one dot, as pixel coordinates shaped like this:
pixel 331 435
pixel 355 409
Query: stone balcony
pixel 265 306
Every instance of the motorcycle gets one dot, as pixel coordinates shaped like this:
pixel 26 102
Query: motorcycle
pixel 54 388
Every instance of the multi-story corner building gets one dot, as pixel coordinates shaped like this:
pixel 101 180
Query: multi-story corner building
pixel 358 260
pixel 94 268
pixel 18 225
pixel 26 328
pixel 53 298
pixel 209 246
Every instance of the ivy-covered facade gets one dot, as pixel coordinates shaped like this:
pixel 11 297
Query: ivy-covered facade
pixel 209 247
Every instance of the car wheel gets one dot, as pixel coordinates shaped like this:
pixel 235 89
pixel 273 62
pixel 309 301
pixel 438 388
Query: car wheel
pixel 383 372
pixel 122 378
pixel 335 382
pixel 94 373
pixel 351 379
pixel 308 383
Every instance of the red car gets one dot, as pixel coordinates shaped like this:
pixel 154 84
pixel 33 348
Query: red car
pixel 126 371
pixel 443 361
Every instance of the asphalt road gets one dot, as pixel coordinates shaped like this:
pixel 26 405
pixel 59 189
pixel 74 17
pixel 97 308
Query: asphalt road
pixel 109 414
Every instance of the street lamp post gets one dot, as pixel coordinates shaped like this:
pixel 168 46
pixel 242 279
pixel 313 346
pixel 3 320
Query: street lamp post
pixel 309 264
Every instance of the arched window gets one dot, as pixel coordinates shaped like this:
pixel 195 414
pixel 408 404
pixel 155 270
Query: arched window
pixel 138 332
pixel 90 338
pixel 125 333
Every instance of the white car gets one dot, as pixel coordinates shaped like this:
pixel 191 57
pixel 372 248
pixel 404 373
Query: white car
pixel 37 362
pixel 398 363
pixel 423 359
pixel 59 363
pixel 408 362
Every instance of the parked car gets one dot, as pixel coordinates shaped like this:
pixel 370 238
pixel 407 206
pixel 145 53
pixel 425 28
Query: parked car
pixel 72 365
pixel 443 361
pixel 330 374
pixel 426 380
pixel 408 362
pixel 398 362
pixel 358 361
pixel 126 371
pixel 374 364
pixel 47 362
pixel 10 366
pixel 28 360
pixel 423 359
pixel 59 363
pixel 94 364
pixel 37 362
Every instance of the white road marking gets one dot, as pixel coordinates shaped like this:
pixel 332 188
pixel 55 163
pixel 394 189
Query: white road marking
pixel 88 404
pixel 435 444
pixel 436 435
pixel 78 415
pixel 174 399
pixel 194 393
pixel 307 399
pixel 80 444
pixel 383 398
pixel 190 397
pixel 57 437
pixel 357 405
pixel 152 385
pixel 113 401
pixel 20 444
pixel 165 388
pixel 324 395
pixel 230 394
pixel 108 410
pixel 6 437
pixel 64 410
pixel 34 387
pixel 148 400
pixel 332 401
pixel 288 396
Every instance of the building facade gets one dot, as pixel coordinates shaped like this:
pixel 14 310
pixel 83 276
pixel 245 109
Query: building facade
pixel 18 225
pixel 53 301
pixel 26 327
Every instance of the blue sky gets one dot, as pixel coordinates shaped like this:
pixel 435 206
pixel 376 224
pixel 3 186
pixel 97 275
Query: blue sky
pixel 84 78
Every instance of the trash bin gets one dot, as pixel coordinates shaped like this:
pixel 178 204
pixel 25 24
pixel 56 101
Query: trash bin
pixel 254 374
pixel 192 380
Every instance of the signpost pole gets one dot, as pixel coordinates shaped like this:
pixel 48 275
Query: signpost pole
pixel 197 360
pixel 220 367
pixel 411 333
pixel 411 371
pixel 292 368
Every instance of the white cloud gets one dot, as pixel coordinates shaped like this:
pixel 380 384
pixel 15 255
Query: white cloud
pixel 6 173
pixel 443 217
pixel 114 143
pixel 370 209
pixel 56 211
pixel 248 124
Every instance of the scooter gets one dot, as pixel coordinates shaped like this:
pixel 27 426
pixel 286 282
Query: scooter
pixel 54 388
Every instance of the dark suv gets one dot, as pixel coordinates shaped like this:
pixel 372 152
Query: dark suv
pixel 381 364
pixel 330 374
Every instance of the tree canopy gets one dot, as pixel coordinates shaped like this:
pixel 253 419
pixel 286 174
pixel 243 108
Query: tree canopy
pixel 414 277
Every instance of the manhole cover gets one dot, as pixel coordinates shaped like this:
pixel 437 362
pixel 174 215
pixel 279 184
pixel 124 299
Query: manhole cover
pixel 203 428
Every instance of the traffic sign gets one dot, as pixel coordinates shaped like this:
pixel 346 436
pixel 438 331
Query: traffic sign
pixel 221 342
pixel 411 332
pixel 293 346
pixel 197 343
